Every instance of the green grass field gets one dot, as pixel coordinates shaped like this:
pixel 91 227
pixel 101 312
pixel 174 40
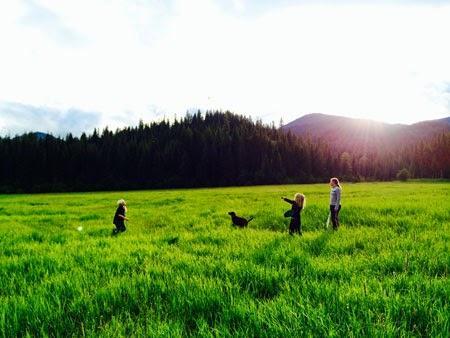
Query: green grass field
pixel 182 269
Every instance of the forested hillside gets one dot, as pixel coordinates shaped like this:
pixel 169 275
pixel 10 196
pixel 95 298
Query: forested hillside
pixel 213 149
pixel 362 135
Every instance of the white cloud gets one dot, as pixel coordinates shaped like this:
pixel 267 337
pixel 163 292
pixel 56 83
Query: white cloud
pixel 18 118
pixel 134 59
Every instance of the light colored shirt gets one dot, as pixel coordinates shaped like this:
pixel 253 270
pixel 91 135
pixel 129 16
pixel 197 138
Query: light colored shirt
pixel 335 196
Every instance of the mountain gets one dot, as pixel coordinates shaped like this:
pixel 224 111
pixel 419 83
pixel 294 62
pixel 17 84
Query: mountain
pixel 40 135
pixel 346 133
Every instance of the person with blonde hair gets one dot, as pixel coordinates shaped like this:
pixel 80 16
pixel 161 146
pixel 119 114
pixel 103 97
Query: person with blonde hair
pixel 335 201
pixel 120 217
pixel 298 204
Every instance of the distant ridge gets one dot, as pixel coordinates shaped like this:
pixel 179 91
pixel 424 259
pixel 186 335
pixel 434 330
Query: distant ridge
pixel 350 133
pixel 40 135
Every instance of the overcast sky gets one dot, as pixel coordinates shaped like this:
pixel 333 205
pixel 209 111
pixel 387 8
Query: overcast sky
pixel 74 65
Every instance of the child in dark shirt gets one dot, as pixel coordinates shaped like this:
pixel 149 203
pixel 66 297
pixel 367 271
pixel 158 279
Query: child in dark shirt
pixel 297 205
pixel 120 217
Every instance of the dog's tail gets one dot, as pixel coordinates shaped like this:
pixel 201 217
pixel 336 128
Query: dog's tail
pixel 250 219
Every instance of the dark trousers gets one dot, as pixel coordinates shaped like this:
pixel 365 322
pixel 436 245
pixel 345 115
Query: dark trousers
pixel 120 227
pixel 295 226
pixel 335 216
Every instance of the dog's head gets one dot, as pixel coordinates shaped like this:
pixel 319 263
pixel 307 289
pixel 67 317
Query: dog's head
pixel 232 213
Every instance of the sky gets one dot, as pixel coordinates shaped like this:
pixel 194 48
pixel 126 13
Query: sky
pixel 72 66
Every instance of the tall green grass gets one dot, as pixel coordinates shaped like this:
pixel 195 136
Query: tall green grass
pixel 182 269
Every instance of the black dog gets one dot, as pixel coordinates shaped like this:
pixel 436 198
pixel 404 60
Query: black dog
pixel 239 221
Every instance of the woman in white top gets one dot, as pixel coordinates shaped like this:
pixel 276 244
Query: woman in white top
pixel 335 202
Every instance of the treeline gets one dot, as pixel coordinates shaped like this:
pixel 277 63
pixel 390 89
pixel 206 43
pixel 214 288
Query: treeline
pixel 200 150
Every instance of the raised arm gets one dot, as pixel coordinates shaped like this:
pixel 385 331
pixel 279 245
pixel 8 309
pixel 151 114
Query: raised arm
pixel 287 200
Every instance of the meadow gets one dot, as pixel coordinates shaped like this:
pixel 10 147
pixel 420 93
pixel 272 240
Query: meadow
pixel 181 269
